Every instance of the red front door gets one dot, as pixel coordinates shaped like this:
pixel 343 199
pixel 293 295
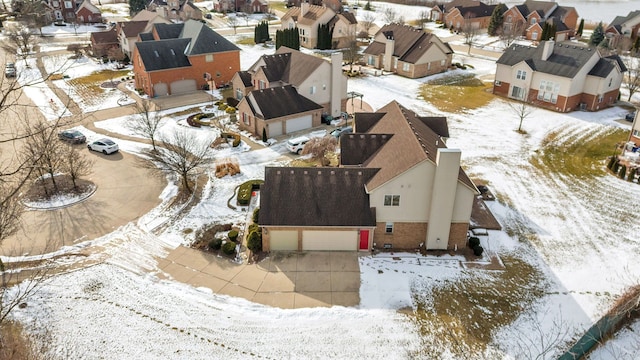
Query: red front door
pixel 364 239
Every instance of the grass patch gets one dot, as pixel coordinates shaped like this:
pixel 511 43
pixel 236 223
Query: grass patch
pixel 580 155
pixel 278 5
pixel 456 93
pixel 463 316
pixel 246 41
pixel 91 83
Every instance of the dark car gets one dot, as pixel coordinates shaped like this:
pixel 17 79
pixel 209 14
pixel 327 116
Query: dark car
pixel 72 136
pixel 336 133
pixel 630 116
pixel 326 118
pixel 208 16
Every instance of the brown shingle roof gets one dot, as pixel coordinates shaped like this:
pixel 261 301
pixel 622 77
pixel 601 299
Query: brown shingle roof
pixel 133 28
pixel 309 18
pixel 275 102
pixel 409 43
pixel 288 65
pixel 105 37
pixel 315 197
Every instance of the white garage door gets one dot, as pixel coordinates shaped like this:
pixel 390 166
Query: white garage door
pixel 280 240
pixel 160 89
pixel 183 86
pixel 274 129
pixel 346 240
pixel 298 124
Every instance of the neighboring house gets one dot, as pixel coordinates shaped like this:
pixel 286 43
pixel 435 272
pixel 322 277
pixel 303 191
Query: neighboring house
pixel 103 41
pixel 345 28
pixel 457 13
pixel 181 58
pixel 530 16
pixel 307 18
pixel 634 134
pixel 128 31
pixel 437 12
pixel 559 76
pixel 87 13
pixel 62 10
pixel 176 10
pixel 314 78
pixel 398 187
pixel 623 28
pixel 408 52
pixel 277 111
pixel 259 6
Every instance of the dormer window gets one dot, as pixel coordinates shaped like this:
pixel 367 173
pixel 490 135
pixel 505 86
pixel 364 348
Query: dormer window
pixel 533 21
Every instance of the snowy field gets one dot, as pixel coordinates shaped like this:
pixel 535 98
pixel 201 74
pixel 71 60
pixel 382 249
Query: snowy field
pixel 580 234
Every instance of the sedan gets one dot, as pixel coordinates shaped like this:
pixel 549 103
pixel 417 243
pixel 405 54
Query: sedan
pixel 72 136
pixel 106 146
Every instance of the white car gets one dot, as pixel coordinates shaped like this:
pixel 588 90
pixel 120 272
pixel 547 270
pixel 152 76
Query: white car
pixel 295 145
pixel 105 146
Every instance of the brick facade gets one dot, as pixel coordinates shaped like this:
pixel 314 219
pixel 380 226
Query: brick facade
pixel 458 236
pixel 255 125
pixel 405 236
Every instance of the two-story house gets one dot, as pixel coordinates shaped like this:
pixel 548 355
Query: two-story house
pixel 559 76
pixel 398 187
pixel 128 31
pixel 307 18
pixel 529 17
pixel 176 10
pixel 408 52
pixel 457 13
pixel 180 58
pixel 63 10
pixel 87 13
pixel 623 29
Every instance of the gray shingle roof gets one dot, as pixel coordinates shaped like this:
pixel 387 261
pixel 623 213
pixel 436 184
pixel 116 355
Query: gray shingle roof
pixel 163 54
pixel 566 60
pixel 605 65
pixel 145 36
pixel 168 31
pixel 316 197
pixel 245 76
pixel 409 43
pixel 279 101
pixel 205 40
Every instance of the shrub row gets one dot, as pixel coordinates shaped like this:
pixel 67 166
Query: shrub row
pixel 254 238
pixel 234 136
pixel 244 193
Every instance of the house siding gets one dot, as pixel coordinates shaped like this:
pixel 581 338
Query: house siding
pixel 256 124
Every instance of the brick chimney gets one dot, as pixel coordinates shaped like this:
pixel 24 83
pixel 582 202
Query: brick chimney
pixel 547 49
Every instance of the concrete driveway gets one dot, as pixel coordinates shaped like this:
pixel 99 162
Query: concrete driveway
pixel 287 280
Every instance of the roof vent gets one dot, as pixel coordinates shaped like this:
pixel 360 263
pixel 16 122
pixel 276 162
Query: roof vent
pixel 333 172
pixel 173 52
pixel 305 172
pixel 292 172
pixel 156 52
pixel 359 172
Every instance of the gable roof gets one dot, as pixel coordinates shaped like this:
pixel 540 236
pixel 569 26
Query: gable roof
pixel 145 15
pixel 480 10
pixel 605 66
pixel 288 65
pixel 310 17
pixel 105 37
pixel 618 21
pixel 86 4
pixel 409 43
pixel 293 196
pixel 413 142
pixel 132 28
pixel 566 60
pixel 163 54
pixel 168 31
pixel 202 40
pixel 245 77
pixel 279 101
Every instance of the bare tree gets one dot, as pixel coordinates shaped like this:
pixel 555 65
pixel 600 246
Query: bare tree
pixel 45 152
pixel 470 31
pixel 352 53
pixel 319 147
pixel 510 32
pixel 233 22
pixel 632 78
pixel 423 17
pixel 522 108
pixel 146 122
pixel 20 38
pixel 537 339
pixel 368 21
pixel 390 15
pixel 182 155
pixel 75 164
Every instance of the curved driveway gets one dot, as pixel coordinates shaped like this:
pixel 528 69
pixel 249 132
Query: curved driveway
pixel 125 191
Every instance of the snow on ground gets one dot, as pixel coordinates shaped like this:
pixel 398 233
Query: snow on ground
pixel 34 86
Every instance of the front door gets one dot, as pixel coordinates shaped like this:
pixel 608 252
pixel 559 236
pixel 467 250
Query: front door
pixel 364 240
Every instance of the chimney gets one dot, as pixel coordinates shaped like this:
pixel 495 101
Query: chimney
pixel 336 84
pixel 389 47
pixel 304 7
pixel 547 49
pixel 443 198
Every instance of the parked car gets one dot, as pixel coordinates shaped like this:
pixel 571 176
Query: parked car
pixel 208 16
pixel 326 118
pixel 296 144
pixel 72 136
pixel 630 116
pixel 105 146
pixel 10 69
pixel 336 133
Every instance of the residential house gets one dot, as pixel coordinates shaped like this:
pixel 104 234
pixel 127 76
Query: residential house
pixel 259 6
pixel 316 79
pixel 559 76
pixel 408 52
pixel 181 58
pixel 460 13
pixel 128 31
pixel 307 18
pixel 344 30
pixel 623 30
pixel 398 187
pixel 529 18
pixel 103 41
pixel 276 111
pixel 62 10
pixel 87 13
pixel 176 10
pixel 634 133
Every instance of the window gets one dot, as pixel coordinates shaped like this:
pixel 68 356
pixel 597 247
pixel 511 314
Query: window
pixel 521 75
pixel 392 200
pixel 312 90
pixel 509 18
pixel 600 98
pixel 406 66
pixel 610 80
pixel 498 83
pixel 262 85
pixel 395 63
pixel 534 35
pixel 246 119
pixel 442 62
pixel 67 4
pixel 517 93
pixel 239 94
pixel 428 66
pixel 388 228
pixel 533 21
pixel 636 133
pixel 371 60
pixel 548 91
pixel 208 58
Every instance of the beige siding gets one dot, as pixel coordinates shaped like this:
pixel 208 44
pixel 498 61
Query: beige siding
pixel 321 79
pixel 463 204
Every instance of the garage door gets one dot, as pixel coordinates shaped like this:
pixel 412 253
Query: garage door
pixel 298 124
pixel 280 240
pixel 160 89
pixel 183 86
pixel 274 129
pixel 330 240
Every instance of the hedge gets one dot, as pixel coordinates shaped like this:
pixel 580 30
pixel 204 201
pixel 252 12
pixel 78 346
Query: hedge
pixel 234 136
pixel 229 248
pixel 244 193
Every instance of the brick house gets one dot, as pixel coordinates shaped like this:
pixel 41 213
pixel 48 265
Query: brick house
pixel 398 187
pixel 103 41
pixel 62 10
pixel 623 29
pixel 181 58
pixel 559 76
pixel 408 52
pixel 87 13
pixel 313 77
pixel 530 16
pixel 176 10
pixel 456 13
pixel 278 110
